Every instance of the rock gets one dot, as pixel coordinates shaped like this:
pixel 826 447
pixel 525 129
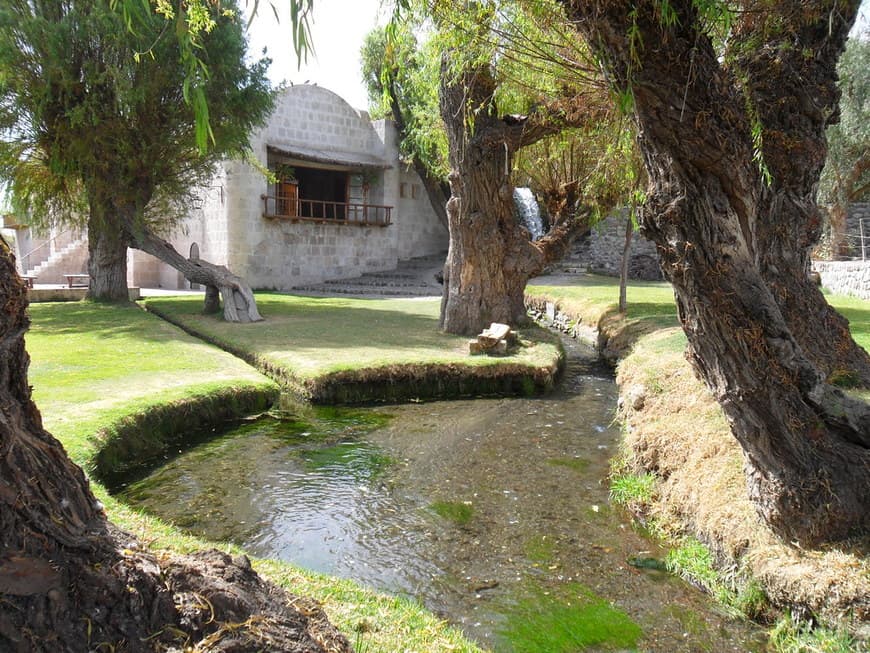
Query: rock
pixel 494 340
pixel 635 397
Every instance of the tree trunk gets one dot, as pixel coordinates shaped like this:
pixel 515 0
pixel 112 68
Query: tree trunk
pixel 623 269
pixel 70 582
pixel 238 298
pixel 491 256
pixel 107 263
pixel 796 99
pixel 806 446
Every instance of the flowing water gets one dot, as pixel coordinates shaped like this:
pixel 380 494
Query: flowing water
pixel 529 211
pixel 494 513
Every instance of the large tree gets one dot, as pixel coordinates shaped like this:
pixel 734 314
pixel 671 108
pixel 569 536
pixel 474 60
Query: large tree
pixel 102 123
pixel 734 145
pixel 72 582
pixel 504 86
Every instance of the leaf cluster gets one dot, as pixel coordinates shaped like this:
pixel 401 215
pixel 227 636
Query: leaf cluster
pixel 846 176
pixel 83 119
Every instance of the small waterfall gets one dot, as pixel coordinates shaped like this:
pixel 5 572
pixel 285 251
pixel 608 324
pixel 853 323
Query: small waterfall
pixel 528 211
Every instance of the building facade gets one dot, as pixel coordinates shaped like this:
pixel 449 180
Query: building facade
pixel 341 203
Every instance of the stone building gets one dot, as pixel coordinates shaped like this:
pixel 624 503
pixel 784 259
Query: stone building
pixel 344 204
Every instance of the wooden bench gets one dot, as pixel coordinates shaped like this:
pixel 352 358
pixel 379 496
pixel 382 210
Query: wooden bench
pixel 28 280
pixel 77 279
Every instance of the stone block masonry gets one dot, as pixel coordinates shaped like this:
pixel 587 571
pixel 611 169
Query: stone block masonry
pixel 845 277
pixel 600 251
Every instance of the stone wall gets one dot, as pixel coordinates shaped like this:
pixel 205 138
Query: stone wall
pixel 845 277
pixel 857 212
pixel 600 251
pixel 228 224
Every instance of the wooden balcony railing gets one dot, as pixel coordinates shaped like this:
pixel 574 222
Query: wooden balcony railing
pixel 302 210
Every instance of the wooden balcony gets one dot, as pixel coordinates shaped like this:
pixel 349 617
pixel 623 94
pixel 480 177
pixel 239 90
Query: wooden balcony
pixel 296 209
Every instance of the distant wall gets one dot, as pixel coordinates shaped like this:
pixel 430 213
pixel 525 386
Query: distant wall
pixel 845 277
pixel 600 251
pixel 857 212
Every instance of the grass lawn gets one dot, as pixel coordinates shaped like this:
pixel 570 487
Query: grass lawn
pixel 308 338
pixel 93 366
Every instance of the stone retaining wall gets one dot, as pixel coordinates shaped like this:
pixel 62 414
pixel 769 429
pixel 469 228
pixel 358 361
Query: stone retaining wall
pixel 600 251
pixel 845 277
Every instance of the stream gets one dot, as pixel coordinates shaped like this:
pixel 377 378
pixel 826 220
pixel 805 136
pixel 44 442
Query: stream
pixel 494 513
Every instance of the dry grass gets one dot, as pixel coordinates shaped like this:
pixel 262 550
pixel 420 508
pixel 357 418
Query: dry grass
pixel 679 433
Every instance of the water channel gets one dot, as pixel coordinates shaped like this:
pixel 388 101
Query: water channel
pixel 494 513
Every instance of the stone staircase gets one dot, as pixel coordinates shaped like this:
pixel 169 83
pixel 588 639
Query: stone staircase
pixel 72 258
pixel 412 278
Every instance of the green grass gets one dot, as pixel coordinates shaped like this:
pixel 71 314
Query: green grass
pixel 95 366
pixel 568 620
pixel 309 337
pixel 795 636
pixel 632 489
pixel 458 512
pixel 595 298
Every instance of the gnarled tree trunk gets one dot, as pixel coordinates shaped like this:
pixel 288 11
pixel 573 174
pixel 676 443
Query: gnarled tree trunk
pixel 70 582
pixel 806 446
pixel 491 256
pixel 795 96
pixel 238 298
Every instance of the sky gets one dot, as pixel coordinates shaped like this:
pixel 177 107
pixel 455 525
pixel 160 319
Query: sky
pixel 338 30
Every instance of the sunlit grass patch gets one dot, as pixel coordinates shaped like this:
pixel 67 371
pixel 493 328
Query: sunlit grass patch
pixel 314 336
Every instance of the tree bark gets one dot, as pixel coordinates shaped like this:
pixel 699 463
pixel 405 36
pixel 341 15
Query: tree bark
pixel 794 92
pixel 107 263
pixel 238 298
pixel 71 582
pixel 491 256
pixel 806 446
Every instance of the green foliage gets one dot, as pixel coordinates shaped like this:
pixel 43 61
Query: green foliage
pixel 401 75
pixel 791 635
pixel 101 106
pixel 846 176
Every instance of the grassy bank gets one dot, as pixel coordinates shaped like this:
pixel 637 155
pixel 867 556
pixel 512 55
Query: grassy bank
pixel 104 377
pixel 681 468
pixel 354 350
